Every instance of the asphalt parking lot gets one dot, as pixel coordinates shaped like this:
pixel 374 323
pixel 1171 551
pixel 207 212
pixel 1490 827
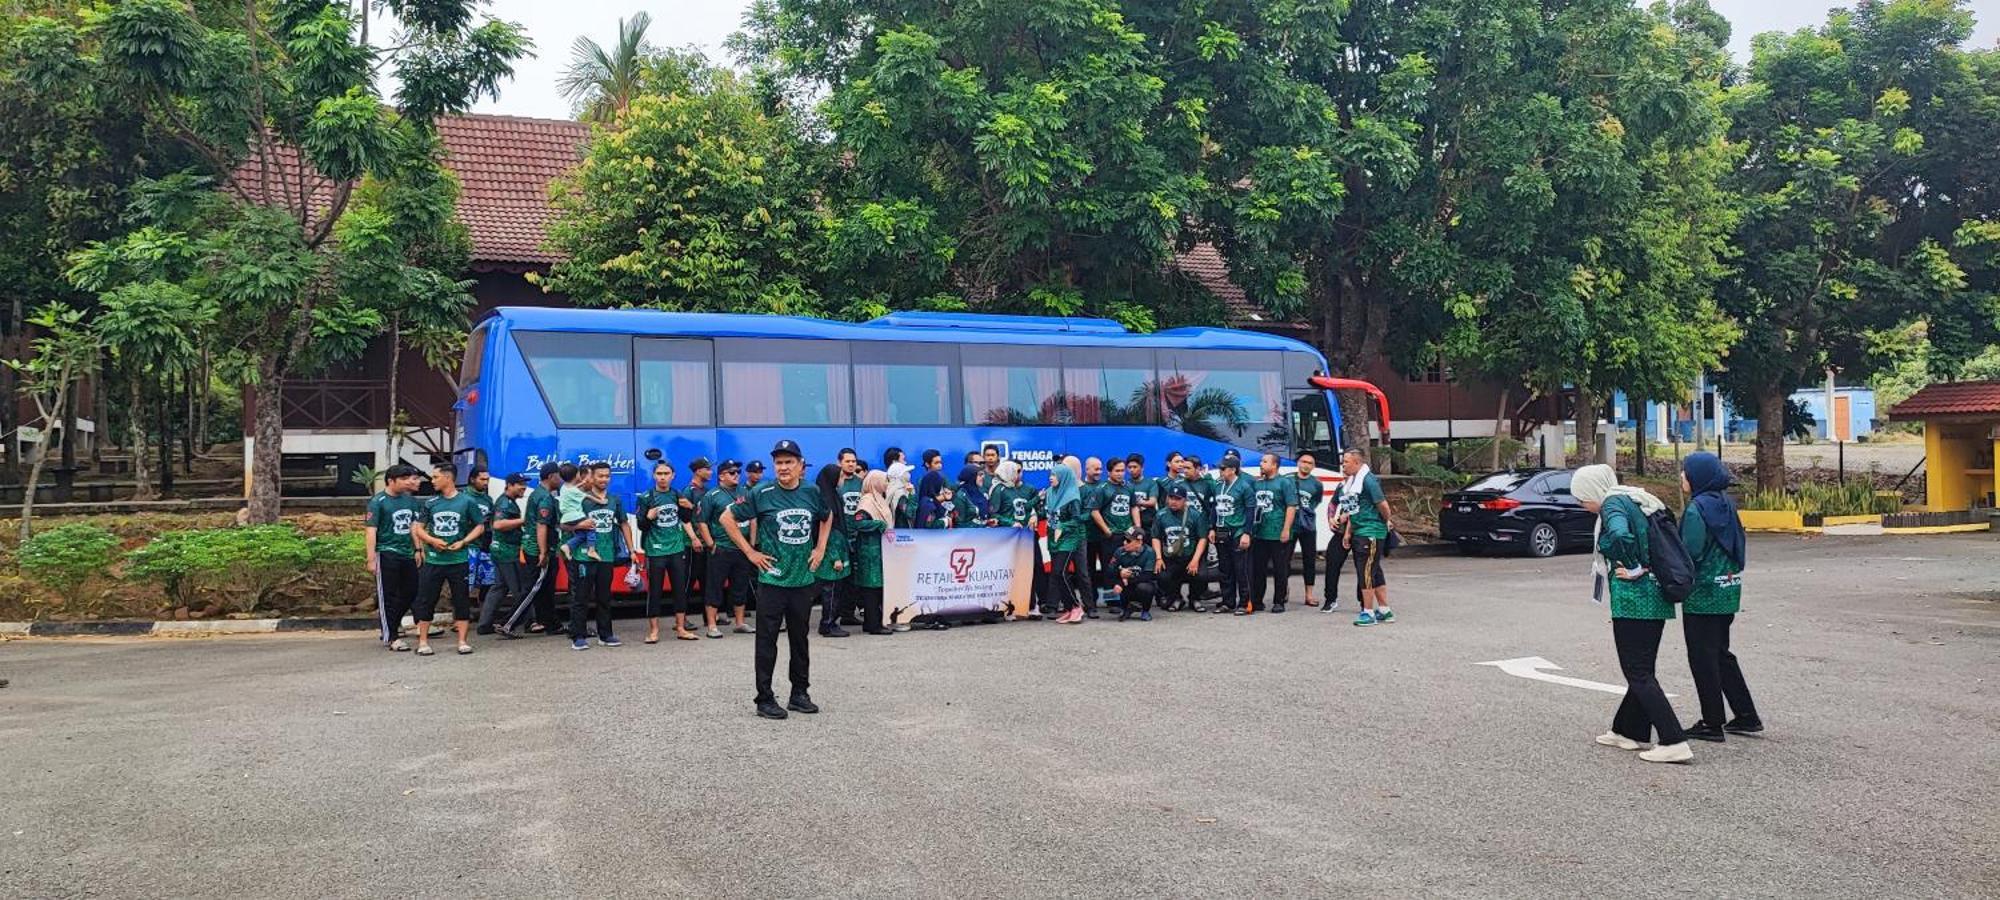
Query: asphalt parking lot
pixel 1192 756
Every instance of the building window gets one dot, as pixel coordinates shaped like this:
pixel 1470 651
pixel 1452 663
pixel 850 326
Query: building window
pixel 1435 373
pixel 1007 385
pixel 586 379
pixel 785 382
pixel 675 382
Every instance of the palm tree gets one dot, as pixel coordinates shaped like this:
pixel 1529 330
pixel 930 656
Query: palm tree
pixel 601 83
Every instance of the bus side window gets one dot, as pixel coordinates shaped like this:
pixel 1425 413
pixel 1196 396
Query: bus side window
pixel 586 379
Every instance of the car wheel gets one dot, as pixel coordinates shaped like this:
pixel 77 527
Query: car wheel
pixel 1542 541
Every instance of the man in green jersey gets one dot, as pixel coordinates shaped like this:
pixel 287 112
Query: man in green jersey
pixel 508 517
pixel 1366 536
pixel 540 554
pixel 1145 497
pixel 450 523
pixel 1180 544
pixel 1096 555
pixel 841 612
pixel 1111 519
pixel 789 522
pixel 727 581
pixel 1231 504
pixel 391 552
pixel 1275 506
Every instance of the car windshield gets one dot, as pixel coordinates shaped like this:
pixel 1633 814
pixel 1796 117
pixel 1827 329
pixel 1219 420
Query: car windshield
pixel 1499 482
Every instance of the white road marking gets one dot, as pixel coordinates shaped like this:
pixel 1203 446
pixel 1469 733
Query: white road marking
pixel 1530 667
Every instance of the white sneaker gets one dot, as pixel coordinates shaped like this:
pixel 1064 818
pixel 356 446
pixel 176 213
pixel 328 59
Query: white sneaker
pixel 1614 739
pixel 1670 753
pixel 399 645
pixel 465 649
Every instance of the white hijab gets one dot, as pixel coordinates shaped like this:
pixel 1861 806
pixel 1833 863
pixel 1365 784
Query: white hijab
pixel 1594 484
pixel 899 483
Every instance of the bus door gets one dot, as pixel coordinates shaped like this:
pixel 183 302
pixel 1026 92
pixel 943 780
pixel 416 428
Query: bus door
pixel 1312 426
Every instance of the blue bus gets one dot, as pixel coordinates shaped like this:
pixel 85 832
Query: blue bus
pixel 542 385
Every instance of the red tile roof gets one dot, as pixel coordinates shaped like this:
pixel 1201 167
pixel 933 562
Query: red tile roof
pixel 1204 264
pixel 1951 398
pixel 505 164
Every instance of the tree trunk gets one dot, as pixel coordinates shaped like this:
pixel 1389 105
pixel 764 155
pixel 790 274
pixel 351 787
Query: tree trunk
pixel 1770 439
pixel 100 409
pixel 395 367
pixel 69 428
pixel 10 386
pixel 1586 424
pixel 268 429
pixel 187 423
pixel 201 406
pixel 35 471
pixel 135 423
pixel 166 445
pixel 1639 437
pixel 1500 426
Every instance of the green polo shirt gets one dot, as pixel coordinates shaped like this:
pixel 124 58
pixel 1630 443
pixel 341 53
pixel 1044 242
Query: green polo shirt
pixel 1270 498
pixel 787 530
pixel 507 544
pixel 450 519
pixel 1231 504
pixel 663 536
pixel 392 515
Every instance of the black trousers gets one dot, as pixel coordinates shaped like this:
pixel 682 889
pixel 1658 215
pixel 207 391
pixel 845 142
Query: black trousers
pixel 1336 560
pixel 1232 565
pixel 433 579
pixel 728 579
pixel 1306 545
pixel 1270 566
pixel 1138 593
pixel 1097 556
pixel 1065 588
pixel 697 571
pixel 870 601
pixel 1717 677
pixel 588 589
pixel 1172 581
pixel 791 609
pixel 509 583
pixel 1645 709
pixel 395 590
pixel 835 601
pixel 671 569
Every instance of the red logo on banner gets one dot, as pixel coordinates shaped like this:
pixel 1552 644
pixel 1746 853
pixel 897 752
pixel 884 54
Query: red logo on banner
pixel 961 564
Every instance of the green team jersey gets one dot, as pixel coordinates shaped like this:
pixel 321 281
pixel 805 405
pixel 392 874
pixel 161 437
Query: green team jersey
pixel 661 536
pixel 1718 582
pixel 1204 489
pixel 540 510
pixel 850 503
pixel 864 557
pixel 713 504
pixel 1270 497
pixel 450 519
pixel 485 504
pixel 1232 502
pixel 787 530
pixel 906 511
pixel 1623 541
pixel 967 512
pixel 392 515
pixel 1179 532
pixel 507 544
pixel 604 515
pixel 1114 503
pixel 1364 518
pixel 1311 492
pixel 1092 495
pixel 1140 561
pixel 1066 527
pixel 1147 489
pixel 1014 506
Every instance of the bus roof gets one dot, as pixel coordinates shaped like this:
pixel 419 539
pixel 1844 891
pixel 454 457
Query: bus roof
pixel 961 328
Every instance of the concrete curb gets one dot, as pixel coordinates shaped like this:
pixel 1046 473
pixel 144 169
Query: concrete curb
pixel 174 628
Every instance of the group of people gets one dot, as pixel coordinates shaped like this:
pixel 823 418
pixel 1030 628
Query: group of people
pixel 1626 575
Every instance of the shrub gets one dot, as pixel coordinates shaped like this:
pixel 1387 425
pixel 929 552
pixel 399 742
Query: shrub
pixel 1856 498
pixel 66 557
pixel 240 567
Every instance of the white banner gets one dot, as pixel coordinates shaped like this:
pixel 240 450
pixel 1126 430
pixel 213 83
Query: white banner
pixel 957 571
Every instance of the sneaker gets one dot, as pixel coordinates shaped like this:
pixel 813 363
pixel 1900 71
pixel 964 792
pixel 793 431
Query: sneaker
pixel 579 644
pixel 1743 726
pixel 1614 739
pixel 1125 616
pixel 1702 731
pixel 465 649
pixel 399 645
pixel 1669 753
pixel 770 709
pixel 1220 608
pixel 1242 611
pixel 744 629
pixel 1328 606
pixel 1364 618
pixel 1146 616
pixel 1277 607
pixel 833 631
pixel 802 702
pixel 425 650
pixel 714 632
pixel 1090 614
pixel 1384 616
pixel 851 621
pixel 611 641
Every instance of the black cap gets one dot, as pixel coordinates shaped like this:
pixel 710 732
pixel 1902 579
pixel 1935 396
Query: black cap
pixel 729 465
pixel 756 465
pixel 700 462
pixel 1135 534
pixel 518 478
pixel 1177 492
pixel 549 469
pixel 1232 461
pixel 786 447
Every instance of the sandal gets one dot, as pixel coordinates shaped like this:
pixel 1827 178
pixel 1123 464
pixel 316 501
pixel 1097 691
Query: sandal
pixel 425 650
pixel 686 635
pixel 465 649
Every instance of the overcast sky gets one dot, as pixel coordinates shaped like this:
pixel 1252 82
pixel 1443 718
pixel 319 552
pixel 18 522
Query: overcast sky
pixel 705 24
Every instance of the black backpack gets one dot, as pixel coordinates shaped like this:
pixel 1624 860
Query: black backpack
pixel 1672 567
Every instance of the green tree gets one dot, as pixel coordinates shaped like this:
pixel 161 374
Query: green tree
pixel 1022 156
pixel 600 83
pixel 283 98
pixel 65 351
pixel 1834 170
pixel 695 198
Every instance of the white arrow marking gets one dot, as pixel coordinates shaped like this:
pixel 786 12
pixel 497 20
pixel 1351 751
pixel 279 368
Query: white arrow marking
pixel 1530 667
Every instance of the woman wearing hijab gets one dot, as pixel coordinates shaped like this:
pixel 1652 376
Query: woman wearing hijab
pixel 832 571
pixel 935 508
pixel 1066 536
pixel 902 495
pixel 871 519
pixel 1014 505
pixel 970 501
pixel 1713 535
pixel 1639 613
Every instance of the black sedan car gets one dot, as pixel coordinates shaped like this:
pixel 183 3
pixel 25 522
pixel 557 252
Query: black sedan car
pixel 1527 510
